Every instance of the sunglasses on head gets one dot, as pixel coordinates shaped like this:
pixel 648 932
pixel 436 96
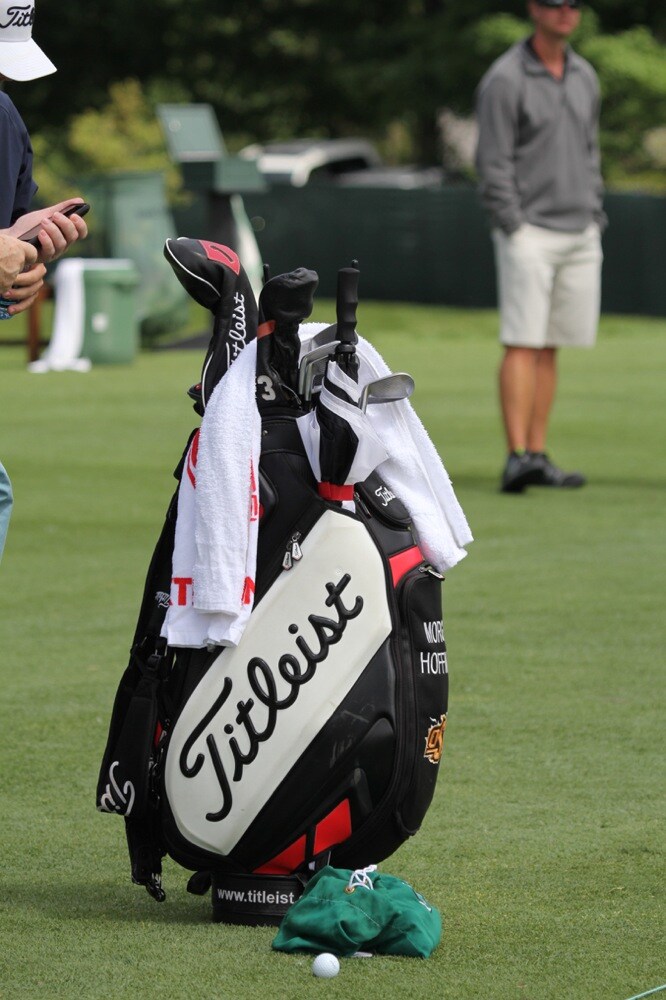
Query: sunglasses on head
pixel 574 4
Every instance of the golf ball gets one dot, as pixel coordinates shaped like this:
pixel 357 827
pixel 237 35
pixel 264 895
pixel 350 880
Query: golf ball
pixel 325 966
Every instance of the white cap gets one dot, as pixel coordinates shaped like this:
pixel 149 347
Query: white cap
pixel 20 57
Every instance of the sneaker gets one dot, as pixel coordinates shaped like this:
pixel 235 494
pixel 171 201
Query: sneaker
pixel 551 475
pixel 521 470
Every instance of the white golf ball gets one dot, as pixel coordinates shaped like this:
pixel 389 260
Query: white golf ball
pixel 325 966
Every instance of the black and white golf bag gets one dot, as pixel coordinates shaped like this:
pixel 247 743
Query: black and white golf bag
pixel 317 738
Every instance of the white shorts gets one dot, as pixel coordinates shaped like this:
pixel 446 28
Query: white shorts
pixel 549 286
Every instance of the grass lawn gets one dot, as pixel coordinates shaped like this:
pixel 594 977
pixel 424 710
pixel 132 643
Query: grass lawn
pixel 544 846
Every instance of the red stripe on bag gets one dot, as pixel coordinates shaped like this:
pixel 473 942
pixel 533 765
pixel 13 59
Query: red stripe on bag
pixel 334 828
pixel 331 491
pixel 402 562
pixel 286 862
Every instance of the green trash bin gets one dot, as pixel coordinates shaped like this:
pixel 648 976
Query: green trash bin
pixel 111 324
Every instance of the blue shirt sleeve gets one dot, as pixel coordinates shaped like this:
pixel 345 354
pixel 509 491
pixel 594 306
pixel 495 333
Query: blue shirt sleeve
pixel 17 187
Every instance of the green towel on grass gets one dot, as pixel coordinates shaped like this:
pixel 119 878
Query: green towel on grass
pixel 343 912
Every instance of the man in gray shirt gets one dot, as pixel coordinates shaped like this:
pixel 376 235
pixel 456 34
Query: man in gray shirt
pixel 540 181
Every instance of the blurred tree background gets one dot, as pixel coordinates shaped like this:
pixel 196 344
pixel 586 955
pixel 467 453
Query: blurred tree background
pixel 278 69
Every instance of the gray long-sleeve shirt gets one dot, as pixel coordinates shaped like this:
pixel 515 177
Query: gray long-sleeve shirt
pixel 538 154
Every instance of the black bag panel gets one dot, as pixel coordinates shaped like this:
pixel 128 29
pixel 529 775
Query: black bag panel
pixel 122 701
pixel 189 666
pixel 132 727
pixel 391 529
pixel 422 701
pixel 351 759
pixel 424 651
pixel 382 502
pixel 123 784
pixel 288 498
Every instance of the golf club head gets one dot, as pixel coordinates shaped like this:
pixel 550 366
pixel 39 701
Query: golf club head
pixel 314 377
pixel 388 389
pixel 308 361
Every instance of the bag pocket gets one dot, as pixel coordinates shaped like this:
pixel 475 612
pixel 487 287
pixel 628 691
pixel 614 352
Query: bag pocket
pixel 423 689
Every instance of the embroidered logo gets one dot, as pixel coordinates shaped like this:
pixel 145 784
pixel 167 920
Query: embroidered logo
pixel 162 599
pixel 221 254
pixel 434 741
pixel 116 799
pixel 384 494
pixel 20 16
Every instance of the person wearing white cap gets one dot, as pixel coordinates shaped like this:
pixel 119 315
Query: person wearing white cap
pixel 22 267
pixel 22 59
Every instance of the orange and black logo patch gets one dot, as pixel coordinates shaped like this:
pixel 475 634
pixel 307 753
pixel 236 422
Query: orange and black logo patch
pixel 434 741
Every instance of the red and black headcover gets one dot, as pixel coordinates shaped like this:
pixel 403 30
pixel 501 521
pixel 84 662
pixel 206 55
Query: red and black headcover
pixel 214 276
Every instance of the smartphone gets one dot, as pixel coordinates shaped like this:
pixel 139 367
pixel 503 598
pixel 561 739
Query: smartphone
pixel 31 235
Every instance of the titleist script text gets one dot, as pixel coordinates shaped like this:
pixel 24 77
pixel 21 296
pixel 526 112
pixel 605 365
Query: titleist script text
pixel 19 16
pixel 237 330
pixel 263 682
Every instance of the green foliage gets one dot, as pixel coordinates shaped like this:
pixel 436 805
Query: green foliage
pixel 470 53
pixel 632 72
pixel 123 134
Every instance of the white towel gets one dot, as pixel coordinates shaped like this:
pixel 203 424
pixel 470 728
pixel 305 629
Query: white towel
pixel 414 469
pixel 215 550
pixel 370 451
pixel 64 349
pixel 416 472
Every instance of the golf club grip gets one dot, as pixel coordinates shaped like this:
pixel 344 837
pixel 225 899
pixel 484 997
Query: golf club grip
pixel 346 304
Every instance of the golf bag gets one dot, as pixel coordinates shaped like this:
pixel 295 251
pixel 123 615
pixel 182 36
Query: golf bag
pixel 317 738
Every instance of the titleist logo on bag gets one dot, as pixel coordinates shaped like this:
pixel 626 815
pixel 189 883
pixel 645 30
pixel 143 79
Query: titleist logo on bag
pixel 260 705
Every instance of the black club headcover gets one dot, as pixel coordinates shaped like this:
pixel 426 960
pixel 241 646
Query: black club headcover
pixel 213 275
pixel 285 301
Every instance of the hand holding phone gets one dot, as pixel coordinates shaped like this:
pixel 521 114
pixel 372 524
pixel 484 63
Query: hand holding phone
pixel 31 235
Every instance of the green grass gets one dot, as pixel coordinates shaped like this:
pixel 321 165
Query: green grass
pixel 544 846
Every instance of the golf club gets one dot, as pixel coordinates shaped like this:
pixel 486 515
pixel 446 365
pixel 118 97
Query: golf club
pixel 315 377
pixel 388 389
pixel 308 361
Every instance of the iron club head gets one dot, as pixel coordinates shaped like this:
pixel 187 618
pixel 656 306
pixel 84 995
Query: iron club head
pixel 307 363
pixel 388 389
